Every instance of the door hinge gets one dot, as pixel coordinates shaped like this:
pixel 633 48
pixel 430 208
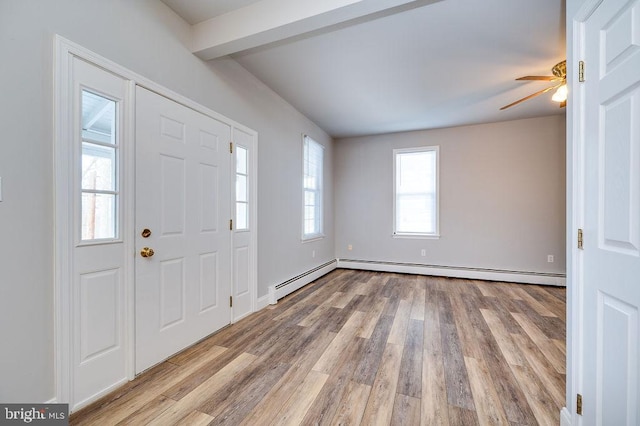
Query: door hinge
pixel 231 147
pixel 580 239
pixel 231 301
pixel 581 71
pixel 230 224
pixel 579 404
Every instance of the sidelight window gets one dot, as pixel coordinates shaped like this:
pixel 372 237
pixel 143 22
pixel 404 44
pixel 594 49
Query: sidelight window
pixel 242 188
pixel 99 168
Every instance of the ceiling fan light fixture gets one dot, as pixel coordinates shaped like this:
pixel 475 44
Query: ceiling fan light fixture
pixel 559 80
pixel 561 94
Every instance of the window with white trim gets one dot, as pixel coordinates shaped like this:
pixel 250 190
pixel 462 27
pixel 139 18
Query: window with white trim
pixel 416 191
pixel 313 154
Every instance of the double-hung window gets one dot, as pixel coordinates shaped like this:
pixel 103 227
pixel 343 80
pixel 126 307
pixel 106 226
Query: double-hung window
pixel 313 154
pixel 416 192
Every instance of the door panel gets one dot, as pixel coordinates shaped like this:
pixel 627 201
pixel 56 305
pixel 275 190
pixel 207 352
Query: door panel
pixel 241 277
pixel 99 305
pixel 621 210
pixel 209 211
pixel 183 197
pixel 617 367
pixel 208 281
pixel 172 289
pixel 172 195
pixel 611 283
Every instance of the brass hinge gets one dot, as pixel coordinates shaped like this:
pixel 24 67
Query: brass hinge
pixel 581 71
pixel 580 239
pixel 230 224
pixel 579 404
pixel 231 147
pixel 231 301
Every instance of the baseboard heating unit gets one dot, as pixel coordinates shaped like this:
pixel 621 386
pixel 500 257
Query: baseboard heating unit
pixel 456 272
pixel 279 291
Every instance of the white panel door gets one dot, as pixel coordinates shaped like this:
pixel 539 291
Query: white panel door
pixel 243 252
pixel 611 258
pixel 183 200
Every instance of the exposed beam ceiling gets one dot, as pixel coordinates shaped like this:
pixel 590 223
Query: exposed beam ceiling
pixel 381 66
pixel 271 21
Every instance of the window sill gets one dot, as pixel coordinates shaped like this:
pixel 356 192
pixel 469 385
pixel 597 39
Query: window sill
pixel 417 236
pixel 99 242
pixel 312 238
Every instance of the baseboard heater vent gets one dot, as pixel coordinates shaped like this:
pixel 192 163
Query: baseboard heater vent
pixel 279 291
pixel 525 277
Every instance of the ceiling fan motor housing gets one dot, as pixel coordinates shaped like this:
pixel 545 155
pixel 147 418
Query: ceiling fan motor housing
pixel 560 69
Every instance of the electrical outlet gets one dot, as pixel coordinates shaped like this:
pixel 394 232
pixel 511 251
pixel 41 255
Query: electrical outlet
pixel 349 247
pixel 550 258
pixel 423 252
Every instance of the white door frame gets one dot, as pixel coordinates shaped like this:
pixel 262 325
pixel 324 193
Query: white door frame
pixel 575 220
pixel 64 51
pixel 575 212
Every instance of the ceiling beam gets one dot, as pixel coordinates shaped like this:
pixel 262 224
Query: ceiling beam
pixel 270 21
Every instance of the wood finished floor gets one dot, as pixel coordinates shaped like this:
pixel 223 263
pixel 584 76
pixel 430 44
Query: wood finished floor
pixel 366 348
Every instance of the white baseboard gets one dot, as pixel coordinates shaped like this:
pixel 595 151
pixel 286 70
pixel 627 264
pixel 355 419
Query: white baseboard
pixel 262 302
pixel 565 417
pixel 235 320
pixel 53 400
pixel 97 395
pixel 277 292
pixel 456 272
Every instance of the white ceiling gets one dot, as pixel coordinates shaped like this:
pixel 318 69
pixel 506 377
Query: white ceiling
pixel 444 64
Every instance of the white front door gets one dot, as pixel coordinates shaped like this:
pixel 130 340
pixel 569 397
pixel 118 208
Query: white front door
pixel 610 287
pixel 182 214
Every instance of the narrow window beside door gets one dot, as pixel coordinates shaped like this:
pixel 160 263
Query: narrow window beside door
pixel 416 192
pixel 242 189
pixel 99 168
pixel 313 154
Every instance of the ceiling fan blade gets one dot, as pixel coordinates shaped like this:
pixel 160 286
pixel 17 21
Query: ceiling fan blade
pixel 533 95
pixel 539 77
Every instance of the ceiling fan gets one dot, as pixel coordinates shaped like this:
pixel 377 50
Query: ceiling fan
pixel 559 77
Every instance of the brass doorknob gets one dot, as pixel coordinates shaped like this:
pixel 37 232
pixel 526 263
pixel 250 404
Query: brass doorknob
pixel 146 252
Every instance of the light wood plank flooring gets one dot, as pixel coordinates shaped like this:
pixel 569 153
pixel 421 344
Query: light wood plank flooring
pixel 368 348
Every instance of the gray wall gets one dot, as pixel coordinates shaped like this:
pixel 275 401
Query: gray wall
pixel 502 196
pixel 148 38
